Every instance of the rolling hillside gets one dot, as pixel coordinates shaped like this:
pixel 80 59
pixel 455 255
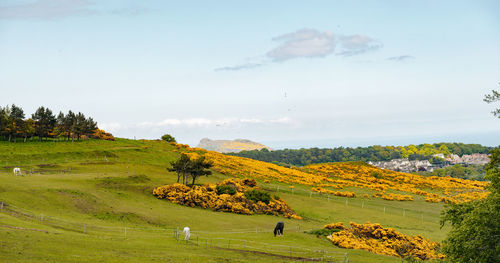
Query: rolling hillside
pixel 230 146
pixel 92 201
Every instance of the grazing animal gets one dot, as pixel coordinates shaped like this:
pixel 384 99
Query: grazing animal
pixel 187 233
pixel 278 229
pixel 17 171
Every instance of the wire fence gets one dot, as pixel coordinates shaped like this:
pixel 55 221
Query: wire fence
pixel 204 239
pixel 423 216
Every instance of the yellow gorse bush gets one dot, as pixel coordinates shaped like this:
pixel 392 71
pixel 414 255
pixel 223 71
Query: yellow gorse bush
pixel 392 197
pixel 206 196
pixel 385 241
pixel 338 225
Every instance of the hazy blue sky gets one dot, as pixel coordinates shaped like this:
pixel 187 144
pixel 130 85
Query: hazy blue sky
pixel 284 73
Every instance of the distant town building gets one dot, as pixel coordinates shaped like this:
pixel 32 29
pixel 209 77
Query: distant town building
pixel 475 158
pixel 407 166
pixel 404 165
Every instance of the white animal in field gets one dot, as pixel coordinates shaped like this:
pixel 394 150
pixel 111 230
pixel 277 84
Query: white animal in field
pixel 187 233
pixel 17 171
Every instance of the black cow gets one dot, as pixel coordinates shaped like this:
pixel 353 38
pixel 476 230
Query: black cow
pixel 279 228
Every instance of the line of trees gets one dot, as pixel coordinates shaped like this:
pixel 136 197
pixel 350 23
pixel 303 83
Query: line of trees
pixel 471 172
pixel 44 124
pixel 301 157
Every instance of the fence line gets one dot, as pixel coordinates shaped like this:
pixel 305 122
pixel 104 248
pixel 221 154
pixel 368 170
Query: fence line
pixel 365 203
pixel 402 210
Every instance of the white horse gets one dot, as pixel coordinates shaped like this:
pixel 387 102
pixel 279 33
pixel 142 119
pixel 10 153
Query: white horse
pixel 187 233
pixel 17 171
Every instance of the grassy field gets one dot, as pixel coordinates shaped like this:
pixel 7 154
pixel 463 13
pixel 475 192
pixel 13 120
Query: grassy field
pixel 91 201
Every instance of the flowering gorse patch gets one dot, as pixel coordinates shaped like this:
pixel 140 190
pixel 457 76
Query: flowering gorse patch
pixel 385 241
pixel 208 196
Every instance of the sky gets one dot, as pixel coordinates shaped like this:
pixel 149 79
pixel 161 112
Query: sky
pixel 288 74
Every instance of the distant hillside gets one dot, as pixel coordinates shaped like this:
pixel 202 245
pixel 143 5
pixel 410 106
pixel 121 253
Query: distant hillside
pixel 301 157
pixel 228 146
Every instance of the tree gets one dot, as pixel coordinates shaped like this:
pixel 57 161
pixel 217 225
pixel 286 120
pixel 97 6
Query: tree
pixel 493 97
pixel 60 128
pixel 29 128
pixel 186 167
pixel 475 233
pixel 90 126
pixel 168 138
pixel 16 122
pixel 80 125
pixel 199 167
pixel 70 125
pixel 45 122
pixel 180 167
pixel 4 119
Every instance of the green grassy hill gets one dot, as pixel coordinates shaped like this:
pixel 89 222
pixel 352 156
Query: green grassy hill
pixel 92 201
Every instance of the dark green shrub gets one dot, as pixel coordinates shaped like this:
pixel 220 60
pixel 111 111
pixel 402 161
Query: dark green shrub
pixel 322 232
pixel 168 138
pixel 226 189
pixel 377 174
pixel 258 195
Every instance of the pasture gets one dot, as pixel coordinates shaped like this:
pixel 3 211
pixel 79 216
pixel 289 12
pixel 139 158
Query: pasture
pixel 91 201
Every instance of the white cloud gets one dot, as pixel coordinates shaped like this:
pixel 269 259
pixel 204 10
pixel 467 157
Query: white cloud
pixel 204 122
pixel 402 58
pixel 56 9
pixel 303 43
pixel 282 120
pixel 110 127
pixel 358 44
pixel 310 43
pixel 197 122
pixel 46 9
pixel 252 120
pixel 240 67
pixel 177 122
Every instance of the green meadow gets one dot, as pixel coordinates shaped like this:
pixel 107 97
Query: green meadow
pixel 91 201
